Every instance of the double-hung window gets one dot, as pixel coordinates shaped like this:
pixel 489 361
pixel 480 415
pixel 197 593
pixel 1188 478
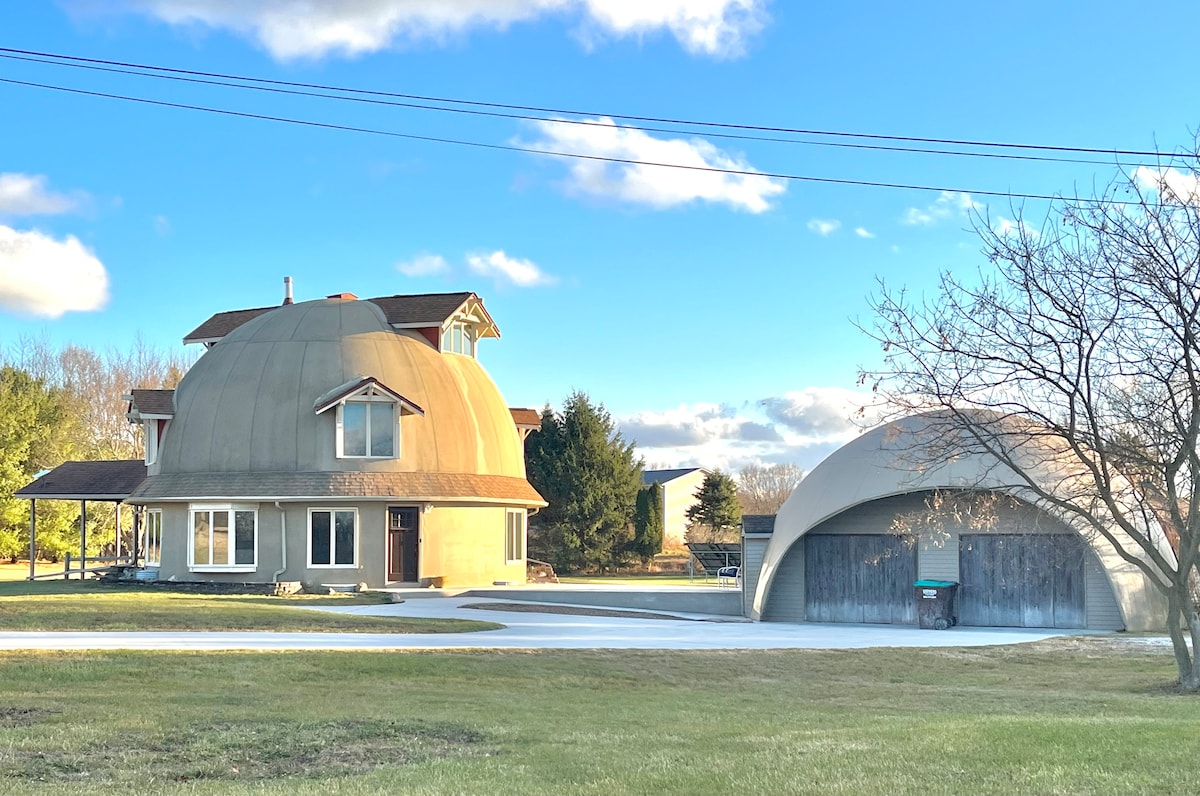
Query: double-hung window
pixel 223 537
pixel 152 538
pixel 368 428
pixel 514 535
pixel 332 537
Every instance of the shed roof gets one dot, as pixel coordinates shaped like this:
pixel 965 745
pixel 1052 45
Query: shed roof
pixel 526 418
pixel 152 402
pixel 663 476
pixel 758 523
pixel 415 310
pixel 102 480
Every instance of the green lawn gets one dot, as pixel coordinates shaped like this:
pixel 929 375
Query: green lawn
pixel 89 605
pixel 1057 717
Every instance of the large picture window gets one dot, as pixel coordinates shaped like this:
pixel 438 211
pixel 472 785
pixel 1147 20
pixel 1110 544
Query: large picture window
pixel 223 537
pixel 332 537
pixel 514 536
pixel 152 538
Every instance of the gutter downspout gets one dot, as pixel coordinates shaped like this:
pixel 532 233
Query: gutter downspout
pixel 282 544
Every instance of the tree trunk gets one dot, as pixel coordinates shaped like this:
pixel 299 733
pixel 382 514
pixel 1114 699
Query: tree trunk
pixel 1186 661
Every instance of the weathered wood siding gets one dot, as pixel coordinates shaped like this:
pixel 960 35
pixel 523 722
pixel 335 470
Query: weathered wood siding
pixel 1022 580
pixel 860 578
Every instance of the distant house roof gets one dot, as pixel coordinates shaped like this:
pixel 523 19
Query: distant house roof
pixel 104 480
pixel 758 523
pixel 526 418
pixel 426 309
pixel 152 402
pixel 663 476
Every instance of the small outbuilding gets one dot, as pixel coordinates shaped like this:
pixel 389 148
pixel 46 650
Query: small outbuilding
pixel 838 550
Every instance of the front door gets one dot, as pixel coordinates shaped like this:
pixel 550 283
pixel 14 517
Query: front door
pixel 402 544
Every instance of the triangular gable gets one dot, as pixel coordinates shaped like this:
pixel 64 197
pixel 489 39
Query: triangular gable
pixel 358 386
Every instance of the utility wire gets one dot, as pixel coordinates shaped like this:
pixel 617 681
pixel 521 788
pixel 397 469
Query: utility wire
pixel 535 150
pixel 569 112
pixel 225 81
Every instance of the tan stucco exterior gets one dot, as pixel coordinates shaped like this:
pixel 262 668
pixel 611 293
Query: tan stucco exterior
pixel 250 427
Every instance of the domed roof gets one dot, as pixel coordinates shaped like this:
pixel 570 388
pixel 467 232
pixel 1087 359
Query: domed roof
pixel 249 404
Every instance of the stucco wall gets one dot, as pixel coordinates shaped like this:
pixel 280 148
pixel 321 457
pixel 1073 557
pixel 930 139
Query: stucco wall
pixel 464 545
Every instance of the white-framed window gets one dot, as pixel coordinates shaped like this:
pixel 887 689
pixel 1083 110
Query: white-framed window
pixel 459 338
pixel 152 537
pixel 223 537
pixel 150 429
pixel 368 427
pixel 514 535
pixel 332 538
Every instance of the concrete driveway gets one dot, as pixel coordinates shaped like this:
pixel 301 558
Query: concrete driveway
pixel 541 631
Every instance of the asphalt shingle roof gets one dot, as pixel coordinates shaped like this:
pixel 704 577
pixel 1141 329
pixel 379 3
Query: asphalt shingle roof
pixel 154 402
pixel 424 308
pixel 103 480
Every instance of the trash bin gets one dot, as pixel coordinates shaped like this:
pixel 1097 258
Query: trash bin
pixel 935 604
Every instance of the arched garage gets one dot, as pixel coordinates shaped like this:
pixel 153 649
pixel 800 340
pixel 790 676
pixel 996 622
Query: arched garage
pixel 834 557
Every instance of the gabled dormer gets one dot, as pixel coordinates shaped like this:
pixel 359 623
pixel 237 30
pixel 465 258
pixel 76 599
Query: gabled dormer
pixel 367 420
pixel 153 410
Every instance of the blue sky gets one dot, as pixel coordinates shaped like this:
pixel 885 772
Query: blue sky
pixel 712 314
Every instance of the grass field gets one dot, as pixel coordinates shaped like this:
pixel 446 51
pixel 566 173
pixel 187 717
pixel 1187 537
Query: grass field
pixel 1057 717
pixel 89 605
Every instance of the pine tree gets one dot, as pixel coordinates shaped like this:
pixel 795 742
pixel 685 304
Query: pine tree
pixel 717 515
pixel 647 523
pixel 589 476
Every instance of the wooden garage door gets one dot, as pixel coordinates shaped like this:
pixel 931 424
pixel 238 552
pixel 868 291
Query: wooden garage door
pixel 1021 580
pixel 860 578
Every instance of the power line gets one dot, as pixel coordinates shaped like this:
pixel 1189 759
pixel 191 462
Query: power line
pixel 570 112
pixel 535 150
pixel 225 81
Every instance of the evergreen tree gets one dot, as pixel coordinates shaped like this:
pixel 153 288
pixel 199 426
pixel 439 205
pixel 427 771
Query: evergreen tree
pixel 647 523
pixel 589 476
pixel 717 515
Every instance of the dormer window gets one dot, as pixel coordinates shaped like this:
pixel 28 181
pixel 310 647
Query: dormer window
pixel 459 338
pixel 367 420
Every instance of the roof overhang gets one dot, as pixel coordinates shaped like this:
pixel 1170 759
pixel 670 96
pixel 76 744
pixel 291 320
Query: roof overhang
pixel 343 392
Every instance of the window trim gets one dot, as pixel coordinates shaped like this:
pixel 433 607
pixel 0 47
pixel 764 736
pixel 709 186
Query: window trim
pixel 156 514
pixel 332 511
pixel 521 538
pixel 368 396
pixel 467 335
pixel 232 508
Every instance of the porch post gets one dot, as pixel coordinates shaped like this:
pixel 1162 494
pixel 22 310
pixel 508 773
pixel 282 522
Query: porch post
pixel 82 539
pixel 32 536
pixel 117 523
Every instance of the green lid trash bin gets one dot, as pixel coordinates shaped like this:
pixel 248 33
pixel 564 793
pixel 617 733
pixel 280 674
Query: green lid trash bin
pixel 935 604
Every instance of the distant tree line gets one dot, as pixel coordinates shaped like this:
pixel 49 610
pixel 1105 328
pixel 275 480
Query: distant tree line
pixel 59 404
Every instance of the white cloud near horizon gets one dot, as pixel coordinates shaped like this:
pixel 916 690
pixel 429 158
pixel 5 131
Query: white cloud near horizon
pixel 950 204
pixel 424 265
pixel 502 268
pixel 863 232
pixel 1170 184
pixel 800 427
pixel 641 182
pixel 824 226
pixel 45 277
pixel 292 29
pixel 28 195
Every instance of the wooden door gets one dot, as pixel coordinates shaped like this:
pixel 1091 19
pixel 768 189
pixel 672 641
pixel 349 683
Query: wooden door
pixel 402 543
pixel 1022 580
pixel 860 578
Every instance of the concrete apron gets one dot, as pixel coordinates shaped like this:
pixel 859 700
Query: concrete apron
pixel 712 600
pixel 544 631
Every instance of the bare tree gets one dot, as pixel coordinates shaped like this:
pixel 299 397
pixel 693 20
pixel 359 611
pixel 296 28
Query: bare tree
pixel 1075 366
pixel 763 489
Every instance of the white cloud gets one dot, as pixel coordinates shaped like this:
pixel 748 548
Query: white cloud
pixel 502 268
pixel 824 226
pixel 1007 226
pixel 640 182
pixel 424 265
pixel 27 195
pixel 863 232
pixel 1170 184
pixel 46 277
pixel 950 204
pixel 162 226
pixel 304 29
pixel 800 427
